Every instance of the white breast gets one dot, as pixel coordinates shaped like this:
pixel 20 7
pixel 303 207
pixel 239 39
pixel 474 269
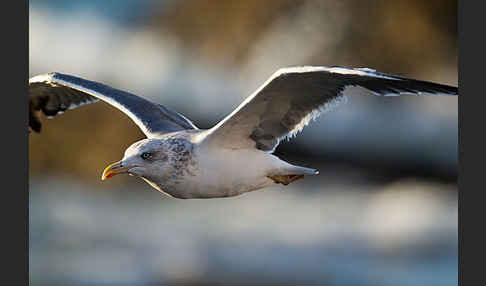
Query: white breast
pixel 225 172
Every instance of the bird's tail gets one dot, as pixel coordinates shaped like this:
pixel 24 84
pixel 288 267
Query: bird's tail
pixel 298 170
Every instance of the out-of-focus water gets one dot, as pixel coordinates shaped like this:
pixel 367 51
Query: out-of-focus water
pixel 318 232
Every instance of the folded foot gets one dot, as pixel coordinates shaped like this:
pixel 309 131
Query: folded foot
pixel 285 179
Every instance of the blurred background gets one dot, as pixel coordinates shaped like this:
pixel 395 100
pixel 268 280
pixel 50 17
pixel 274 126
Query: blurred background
pixel 383 210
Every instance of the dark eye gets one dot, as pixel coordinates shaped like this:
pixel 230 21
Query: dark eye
pixel 146 155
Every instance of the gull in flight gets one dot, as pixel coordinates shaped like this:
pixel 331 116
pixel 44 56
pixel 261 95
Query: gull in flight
pixel 235 156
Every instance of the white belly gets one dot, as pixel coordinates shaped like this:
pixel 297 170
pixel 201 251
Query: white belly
pixel 229 173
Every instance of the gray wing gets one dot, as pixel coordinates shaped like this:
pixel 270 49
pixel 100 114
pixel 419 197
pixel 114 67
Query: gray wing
pixel 54 93
pixel 291 97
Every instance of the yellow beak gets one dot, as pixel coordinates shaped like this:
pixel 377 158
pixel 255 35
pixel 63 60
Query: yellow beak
pixel 114 169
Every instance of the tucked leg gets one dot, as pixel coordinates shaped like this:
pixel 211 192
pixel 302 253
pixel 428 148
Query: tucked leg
pixel 285 179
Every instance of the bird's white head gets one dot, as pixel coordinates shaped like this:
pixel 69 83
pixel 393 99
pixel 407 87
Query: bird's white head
pixel 144 158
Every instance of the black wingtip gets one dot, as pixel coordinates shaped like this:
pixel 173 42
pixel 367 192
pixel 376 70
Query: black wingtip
pixel 34 123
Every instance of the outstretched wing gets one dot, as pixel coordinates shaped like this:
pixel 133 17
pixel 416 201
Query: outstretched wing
pixel 287 101
pixel 53 93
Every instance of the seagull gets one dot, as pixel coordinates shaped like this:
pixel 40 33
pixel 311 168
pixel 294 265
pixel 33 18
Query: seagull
pixel 235 156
